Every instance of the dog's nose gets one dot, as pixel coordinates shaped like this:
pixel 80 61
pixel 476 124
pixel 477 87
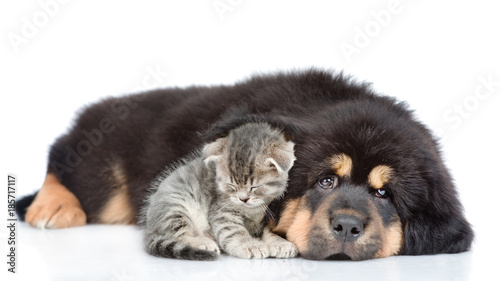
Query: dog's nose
pixel 347 227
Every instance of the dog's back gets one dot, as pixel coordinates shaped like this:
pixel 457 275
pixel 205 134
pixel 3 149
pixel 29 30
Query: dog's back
pixel 117 146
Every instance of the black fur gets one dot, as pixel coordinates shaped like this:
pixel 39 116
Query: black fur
pixel 324 113
pixel 151 130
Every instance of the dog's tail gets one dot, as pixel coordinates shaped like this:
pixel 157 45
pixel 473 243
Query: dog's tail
pixel 23 204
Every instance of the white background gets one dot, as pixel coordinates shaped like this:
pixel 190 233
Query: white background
pixel 436 55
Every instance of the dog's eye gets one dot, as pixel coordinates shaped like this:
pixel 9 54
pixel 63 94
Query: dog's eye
pixel 381 193
pixel 328 182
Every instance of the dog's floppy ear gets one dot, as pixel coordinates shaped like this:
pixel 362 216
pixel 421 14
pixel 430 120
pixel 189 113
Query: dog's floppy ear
pixel 439 226
pixel 213 150
pixel 282 157
pixel 229 120
pixel 238 116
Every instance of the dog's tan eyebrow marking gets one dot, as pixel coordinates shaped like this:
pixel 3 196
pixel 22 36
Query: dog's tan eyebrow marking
pixel 342 165
pixel 379 176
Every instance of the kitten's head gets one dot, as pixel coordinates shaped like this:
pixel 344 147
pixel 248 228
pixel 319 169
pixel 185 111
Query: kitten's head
pixel 251 164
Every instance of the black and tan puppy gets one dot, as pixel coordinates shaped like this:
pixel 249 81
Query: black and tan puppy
pixel 368 182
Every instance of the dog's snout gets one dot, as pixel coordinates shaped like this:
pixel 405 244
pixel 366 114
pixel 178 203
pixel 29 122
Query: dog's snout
pixel 347 227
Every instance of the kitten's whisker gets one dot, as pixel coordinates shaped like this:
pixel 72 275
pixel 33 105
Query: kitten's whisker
pixel 268 213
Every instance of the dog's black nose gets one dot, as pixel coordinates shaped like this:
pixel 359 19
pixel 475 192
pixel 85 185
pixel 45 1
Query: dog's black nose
pixel 347 227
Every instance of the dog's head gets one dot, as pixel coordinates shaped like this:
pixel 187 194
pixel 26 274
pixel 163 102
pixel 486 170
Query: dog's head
pixel 340 217
pixel 369 182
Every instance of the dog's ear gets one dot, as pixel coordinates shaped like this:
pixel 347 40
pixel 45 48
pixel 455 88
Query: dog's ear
pixel 282 157
pixel 439 226
pixel 229 120
pixel 238 116
pixel 213 150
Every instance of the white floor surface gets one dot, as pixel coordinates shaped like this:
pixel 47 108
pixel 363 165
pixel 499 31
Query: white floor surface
pixel 114 253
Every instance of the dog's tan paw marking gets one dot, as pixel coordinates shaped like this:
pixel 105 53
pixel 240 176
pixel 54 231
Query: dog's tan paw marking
pixel 55 215
pixel 66 216
pixel 55 207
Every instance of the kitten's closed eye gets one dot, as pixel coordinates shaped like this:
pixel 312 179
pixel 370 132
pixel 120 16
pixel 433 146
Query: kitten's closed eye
pixel 231 187
pixel 255 187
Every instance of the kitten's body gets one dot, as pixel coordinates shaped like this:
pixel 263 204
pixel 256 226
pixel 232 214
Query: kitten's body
pixel 221 194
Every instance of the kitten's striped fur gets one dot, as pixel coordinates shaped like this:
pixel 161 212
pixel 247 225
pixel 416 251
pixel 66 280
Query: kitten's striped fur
pixel 217 198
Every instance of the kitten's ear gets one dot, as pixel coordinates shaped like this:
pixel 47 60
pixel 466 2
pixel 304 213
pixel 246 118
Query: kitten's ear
pixel 282 157
pixel 213 150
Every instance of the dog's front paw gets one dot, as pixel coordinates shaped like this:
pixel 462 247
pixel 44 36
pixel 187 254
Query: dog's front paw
pixel 55 210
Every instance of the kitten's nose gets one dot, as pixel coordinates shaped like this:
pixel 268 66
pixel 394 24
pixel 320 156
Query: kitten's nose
pixel 243 199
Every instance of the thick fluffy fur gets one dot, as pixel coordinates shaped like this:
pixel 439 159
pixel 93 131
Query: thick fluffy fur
pixel 221 195
pixel 116 147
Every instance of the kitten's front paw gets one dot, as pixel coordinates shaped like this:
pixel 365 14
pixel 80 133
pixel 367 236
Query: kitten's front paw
pixel 252 249
pixel 204 243
pixel 283 249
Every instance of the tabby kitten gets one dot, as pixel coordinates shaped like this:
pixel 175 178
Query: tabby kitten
pixel 216 199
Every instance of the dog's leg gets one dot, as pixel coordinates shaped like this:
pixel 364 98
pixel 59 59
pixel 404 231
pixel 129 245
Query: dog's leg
pixel 55 207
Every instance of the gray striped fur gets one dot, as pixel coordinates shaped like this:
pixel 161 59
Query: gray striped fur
pixel 216 199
